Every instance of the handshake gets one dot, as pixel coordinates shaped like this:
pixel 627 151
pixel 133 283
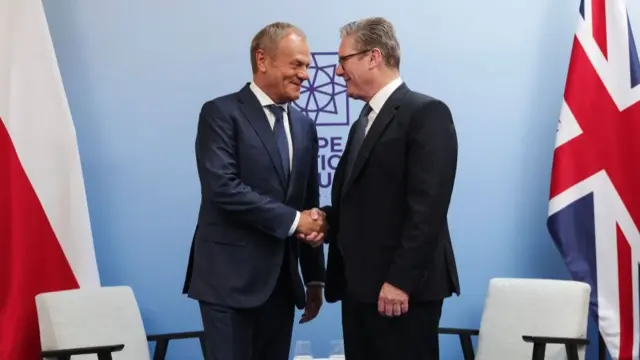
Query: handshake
pixel 312 227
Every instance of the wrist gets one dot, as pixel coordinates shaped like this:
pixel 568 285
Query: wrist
pixel 302 223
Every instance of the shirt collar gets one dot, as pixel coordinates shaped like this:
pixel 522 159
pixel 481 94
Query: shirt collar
pixel 263 98
pixel 378 100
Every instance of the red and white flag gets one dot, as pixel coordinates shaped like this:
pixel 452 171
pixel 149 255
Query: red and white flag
pixel 45 234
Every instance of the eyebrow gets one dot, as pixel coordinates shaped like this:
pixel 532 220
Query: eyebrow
pixel 301 62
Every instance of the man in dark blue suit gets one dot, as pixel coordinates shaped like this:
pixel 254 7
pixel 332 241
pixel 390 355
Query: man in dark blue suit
pixel 257 163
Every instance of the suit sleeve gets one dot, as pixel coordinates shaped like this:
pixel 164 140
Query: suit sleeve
pixel 431 165
pixel 217 166
pixel 331 221
pixel 312 259
pixel 329 210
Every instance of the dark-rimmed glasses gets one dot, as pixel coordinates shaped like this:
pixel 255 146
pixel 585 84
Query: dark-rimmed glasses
pixel 342 59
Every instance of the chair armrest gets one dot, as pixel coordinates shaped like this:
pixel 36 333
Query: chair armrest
pixel 465 340
pixel 175 336
pixel 540 344
pixel 457 331
pixel 555 340
pixel 103 352
pixel 162 342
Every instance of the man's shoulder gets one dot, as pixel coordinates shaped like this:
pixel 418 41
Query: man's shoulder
pixel 221 102
pixel 416 102
pixel 420 99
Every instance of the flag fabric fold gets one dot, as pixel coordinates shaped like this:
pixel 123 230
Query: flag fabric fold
pixel 46 242
pixel 594 207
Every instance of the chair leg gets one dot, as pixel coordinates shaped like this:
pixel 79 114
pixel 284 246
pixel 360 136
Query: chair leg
pixel 538 351
pixel 467 347
pixel 161 349
pixel 105 356
pixel 203 346
pixel 572 351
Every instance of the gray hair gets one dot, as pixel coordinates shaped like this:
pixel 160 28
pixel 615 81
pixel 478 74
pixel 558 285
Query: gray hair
pixel 268 39
pixel 375 32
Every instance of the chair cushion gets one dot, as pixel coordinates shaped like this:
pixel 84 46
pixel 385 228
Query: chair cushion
pixel 539 307
pixel 92 317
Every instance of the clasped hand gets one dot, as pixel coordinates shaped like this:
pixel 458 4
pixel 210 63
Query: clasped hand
pixel 392 301
pixel 312 227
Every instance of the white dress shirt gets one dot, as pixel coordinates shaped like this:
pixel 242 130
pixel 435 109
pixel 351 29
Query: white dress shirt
pixel 378 100
pixel 265 101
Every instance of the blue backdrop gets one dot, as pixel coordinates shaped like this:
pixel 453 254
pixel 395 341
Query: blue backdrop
pixel 137 72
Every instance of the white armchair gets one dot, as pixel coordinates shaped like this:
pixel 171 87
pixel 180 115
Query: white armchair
pixel 103 321
pixel 536 319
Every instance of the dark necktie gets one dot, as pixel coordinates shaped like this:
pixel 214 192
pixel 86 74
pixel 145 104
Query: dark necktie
pixel 358 137
pixel 281 138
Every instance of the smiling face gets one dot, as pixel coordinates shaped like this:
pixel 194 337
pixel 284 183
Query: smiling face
pixel 284 70
pixel 355 68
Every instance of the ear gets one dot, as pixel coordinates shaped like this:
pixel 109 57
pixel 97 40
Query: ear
pixel 261 59
pixel 375 58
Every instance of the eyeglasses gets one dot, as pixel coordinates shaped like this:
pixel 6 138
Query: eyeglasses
pixel 342 59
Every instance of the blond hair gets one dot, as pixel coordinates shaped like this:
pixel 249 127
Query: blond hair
pixel 268 39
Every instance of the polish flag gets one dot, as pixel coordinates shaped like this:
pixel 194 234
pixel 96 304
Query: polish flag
pixel 45 234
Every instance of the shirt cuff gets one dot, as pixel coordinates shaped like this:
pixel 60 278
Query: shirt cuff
pixel 315 283
pixel 294 226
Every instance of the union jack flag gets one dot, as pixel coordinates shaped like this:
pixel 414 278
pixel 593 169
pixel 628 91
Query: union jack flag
pixel 594 207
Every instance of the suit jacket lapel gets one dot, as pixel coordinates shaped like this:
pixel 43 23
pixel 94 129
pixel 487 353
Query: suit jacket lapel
pixel 297 134
pixel 377 128
pixel 254 113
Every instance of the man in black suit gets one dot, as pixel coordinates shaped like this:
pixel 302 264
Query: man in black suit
pixel 390 257
pixel 257 163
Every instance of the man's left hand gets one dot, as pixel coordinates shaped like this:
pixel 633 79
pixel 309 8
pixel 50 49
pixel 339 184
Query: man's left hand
pixel 314 303
pixel 392 301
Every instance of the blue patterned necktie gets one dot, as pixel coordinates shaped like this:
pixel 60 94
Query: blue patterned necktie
pixel 281 138
pixel 358 137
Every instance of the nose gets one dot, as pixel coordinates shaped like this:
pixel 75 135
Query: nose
pixel 303 75
pixel 339 70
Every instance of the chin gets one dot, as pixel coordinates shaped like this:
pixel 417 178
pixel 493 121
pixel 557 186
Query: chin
pixel 293 95
pixel 352 93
